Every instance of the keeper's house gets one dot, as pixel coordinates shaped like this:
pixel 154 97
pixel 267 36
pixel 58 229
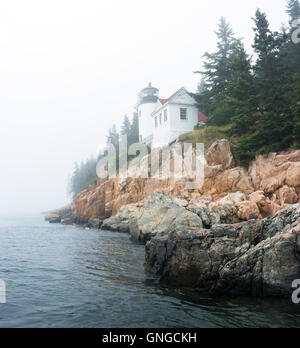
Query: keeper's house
pixel 161 121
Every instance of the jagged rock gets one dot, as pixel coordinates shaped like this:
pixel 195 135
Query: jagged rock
pixel 230 199
pixel 181 202
pixel 231 180
pixel 54 219
pixel 258 197
pixel 219 154
pixel 268 174
pixel 94 223
pixel 257 257
pixel 120 222
pixel 226 214
pixel 248 210
pixel 287 195
pixel 67 222
pixel 271 172
pixel 48 217
pixel 160 215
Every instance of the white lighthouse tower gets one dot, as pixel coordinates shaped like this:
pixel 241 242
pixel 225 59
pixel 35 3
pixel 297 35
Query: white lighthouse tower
pixel 149 97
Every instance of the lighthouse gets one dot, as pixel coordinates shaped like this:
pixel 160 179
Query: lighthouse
pixel 149 97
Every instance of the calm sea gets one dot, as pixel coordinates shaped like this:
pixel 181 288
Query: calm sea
pixel 58 276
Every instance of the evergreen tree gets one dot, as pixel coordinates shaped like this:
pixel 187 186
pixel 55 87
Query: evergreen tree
pixel 296 113
pixel 82 176
pixel 203 97
pixel 134 130
pixel 292 50
pixel 241 94
pixel 273 81
pixel 113 136
pixel 126 126
pixel 293 10
pixel 217 74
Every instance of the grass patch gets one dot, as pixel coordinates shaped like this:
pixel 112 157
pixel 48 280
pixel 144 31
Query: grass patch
pixel 206 135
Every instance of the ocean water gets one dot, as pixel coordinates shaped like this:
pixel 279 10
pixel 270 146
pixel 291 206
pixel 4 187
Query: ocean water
pixel 66 276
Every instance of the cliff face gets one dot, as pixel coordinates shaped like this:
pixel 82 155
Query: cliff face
pixel 270 184
pixel 257 257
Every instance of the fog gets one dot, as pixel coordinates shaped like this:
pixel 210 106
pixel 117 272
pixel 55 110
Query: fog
pixel 70 69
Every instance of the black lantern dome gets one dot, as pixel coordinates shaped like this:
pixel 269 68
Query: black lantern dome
pixel 149 94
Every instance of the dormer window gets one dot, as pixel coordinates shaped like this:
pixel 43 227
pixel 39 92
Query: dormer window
pixel 156 123
pixel 183 113
pixel 165 115
pixel 160 119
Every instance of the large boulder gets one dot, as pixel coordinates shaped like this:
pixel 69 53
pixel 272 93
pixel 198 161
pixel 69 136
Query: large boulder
pixel 248 210
pixel 258 257
pixel 271 172
pixel 219 214
pixel 53 218
pixel 288 195
pixel 94 223
pixel 120 222
pixel 219 154
pixel 161 215
pixel 67 222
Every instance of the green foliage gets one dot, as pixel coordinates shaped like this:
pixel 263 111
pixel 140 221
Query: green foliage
pixel 293 10
pixel 211 96
pixel 292 50
pixel 83 176
pixel 206 135
pixel 261 101
pixel 296 113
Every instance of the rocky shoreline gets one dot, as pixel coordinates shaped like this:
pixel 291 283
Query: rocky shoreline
pixel 213 250
pixel 238 234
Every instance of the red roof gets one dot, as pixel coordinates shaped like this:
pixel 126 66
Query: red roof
pixel 202 117
pixel 163 101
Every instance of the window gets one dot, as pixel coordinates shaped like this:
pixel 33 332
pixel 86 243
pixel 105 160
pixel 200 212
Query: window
pixel 156 125
pixel 183 114
pixel 165 115
pixel 160 119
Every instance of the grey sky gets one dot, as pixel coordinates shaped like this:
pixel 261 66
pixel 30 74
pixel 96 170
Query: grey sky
pixel 70 69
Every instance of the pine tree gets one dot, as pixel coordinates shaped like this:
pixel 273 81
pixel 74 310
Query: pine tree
pixel 126 126
pixel 217 74
pixel 293 10
pixel 134 130
pixel 296 113
pixel 113 136
pixel 273 80
pixel 241 94
pixel 293 50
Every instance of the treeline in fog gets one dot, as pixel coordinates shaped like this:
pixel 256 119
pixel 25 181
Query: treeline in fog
pixel 85 173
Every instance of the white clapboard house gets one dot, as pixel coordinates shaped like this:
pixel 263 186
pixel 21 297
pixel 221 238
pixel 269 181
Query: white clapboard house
pixel 161 121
